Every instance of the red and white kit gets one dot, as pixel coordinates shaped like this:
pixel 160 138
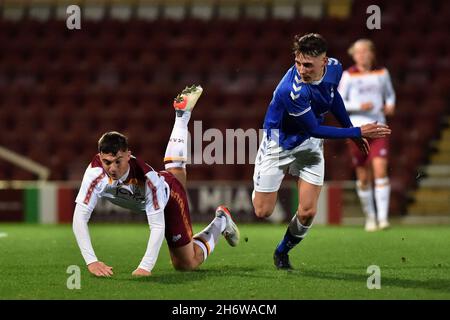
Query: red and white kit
pixel 159 195
pixel 357 88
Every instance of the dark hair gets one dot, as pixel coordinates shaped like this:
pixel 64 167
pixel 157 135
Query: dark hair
pixel 311 44
pixel 112 142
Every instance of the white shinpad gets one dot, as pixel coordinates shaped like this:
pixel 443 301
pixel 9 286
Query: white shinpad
pixel 176 151
pixel 382 193
pixel 80 228
pixel 366 199
pixel 156 223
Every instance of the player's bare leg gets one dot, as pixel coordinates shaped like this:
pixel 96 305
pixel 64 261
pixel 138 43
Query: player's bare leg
pixel 190 256
pixel 364 176
pixel 364 190
pixel 187 257
pixel 176 153
pixel 264 203
pixel 195 253
pixel 298 227
pixel 307 207
pixel 382 190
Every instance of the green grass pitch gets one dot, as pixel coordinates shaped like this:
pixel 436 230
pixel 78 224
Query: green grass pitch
pixel 331 263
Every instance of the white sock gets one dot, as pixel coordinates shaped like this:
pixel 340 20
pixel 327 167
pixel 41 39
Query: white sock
pixel 366 199
pixel 382 193
pixel 176 151
pixel 209 236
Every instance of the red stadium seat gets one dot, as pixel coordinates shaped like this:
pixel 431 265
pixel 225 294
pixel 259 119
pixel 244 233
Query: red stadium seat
pixel 73 86
pixel 22 174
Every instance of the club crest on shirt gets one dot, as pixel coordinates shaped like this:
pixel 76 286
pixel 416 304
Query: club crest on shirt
pixel 128 192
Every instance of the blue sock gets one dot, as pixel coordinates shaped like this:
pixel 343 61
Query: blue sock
pixel 288 242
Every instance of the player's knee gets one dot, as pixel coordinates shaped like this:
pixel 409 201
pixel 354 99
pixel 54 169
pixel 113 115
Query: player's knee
pixel 262 211
pixel 263 206
pixel 181 267
pixel 185 265
pixel 306 213
pixel 363 184
pixel 380 174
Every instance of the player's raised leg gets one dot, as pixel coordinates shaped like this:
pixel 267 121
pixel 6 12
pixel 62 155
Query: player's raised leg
pixel 190 255
pixel 176 152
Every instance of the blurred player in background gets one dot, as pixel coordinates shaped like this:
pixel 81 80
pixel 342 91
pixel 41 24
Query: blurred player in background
pixel 293 137
pixel 126 181
pixel 369 97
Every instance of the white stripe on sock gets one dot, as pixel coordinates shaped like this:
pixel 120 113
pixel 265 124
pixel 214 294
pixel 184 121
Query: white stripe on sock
pixel 203 247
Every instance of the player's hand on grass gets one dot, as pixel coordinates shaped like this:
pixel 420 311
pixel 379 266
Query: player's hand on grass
pixel 375 130
pixel 100 269
pixel 367 106
pixel 363 145
pixel 141 273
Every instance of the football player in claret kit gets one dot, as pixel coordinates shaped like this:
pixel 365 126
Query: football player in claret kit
pixel 118 176
pixel 369 97
pixel 293 137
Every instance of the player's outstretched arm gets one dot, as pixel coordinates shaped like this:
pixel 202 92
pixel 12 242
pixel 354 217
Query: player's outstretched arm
pixel 157 229
pixel 100 269
pixel 80 228
pixel 375 130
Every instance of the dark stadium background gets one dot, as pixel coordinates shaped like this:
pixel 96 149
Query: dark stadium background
pixel 60 89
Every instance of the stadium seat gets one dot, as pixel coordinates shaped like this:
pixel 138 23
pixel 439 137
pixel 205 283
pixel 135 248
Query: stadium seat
pixel 22 174
pixel 82 81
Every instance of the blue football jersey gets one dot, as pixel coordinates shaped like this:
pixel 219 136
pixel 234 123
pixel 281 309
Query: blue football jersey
pixel 297 109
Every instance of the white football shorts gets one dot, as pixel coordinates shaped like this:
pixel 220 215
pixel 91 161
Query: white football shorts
pixel 273 162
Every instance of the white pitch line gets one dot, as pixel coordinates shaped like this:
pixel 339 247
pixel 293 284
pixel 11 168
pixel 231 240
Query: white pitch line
pixel 3 234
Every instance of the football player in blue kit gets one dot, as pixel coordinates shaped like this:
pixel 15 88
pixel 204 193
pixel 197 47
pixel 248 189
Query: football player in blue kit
pixel 293 137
